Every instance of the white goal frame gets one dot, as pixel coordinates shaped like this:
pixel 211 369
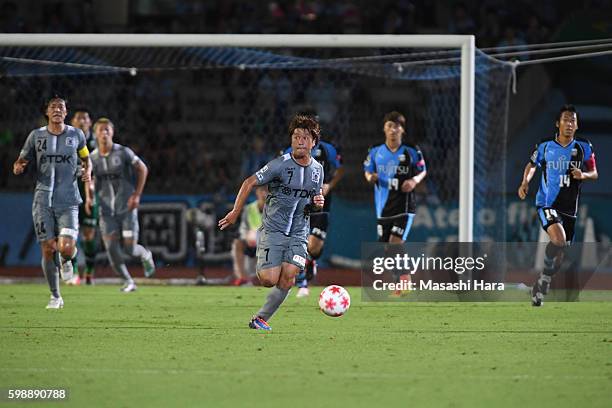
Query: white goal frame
pixel 465 43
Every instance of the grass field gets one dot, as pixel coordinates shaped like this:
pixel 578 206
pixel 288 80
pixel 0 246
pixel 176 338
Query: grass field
pixel 190 346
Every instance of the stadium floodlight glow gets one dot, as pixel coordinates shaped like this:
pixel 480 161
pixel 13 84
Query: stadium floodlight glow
pixel 466 43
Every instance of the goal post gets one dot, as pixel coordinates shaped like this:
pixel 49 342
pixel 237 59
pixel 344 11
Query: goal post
pixel 464 43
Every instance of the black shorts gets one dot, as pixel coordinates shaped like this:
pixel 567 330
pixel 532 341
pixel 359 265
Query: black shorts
pixel 549 216
pixel 398 225
pixel 318 225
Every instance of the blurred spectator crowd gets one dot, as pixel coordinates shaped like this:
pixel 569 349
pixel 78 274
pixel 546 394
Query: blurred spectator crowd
pixel 495 22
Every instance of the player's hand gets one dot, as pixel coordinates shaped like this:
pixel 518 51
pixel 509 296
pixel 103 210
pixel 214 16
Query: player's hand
pixel 19 167
pixel 133 201
pixel 373 178
pixel 319 199
pixel 408 185
pixel 88 206
pixel 577 173
pixel 229 219
pixel 523 190
pixel 325 189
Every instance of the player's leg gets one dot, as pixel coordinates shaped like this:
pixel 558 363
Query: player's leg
pixel 268 277
pixel 553 254
pixel 238 248
pixel 89 245
pixel 130 229
pixel 67 221
pixel 44 225
pixel 294 260
pixel 110 228
pixel 316 241
pixel 51 271
pixel 400 228
pixel 89 241
pixel 272 250
pixel 572 278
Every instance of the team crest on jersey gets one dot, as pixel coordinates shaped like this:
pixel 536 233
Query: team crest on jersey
pixel 316 175
pixel 260 173
pixel 402 157
pixel 70 142
pixel 116 161
pixel 574 152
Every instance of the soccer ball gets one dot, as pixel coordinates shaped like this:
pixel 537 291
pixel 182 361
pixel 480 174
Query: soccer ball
pixel 334 301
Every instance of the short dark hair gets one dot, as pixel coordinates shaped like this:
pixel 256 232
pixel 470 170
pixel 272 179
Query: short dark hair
pixel 81 109
pixel 53 96
pixel 567 108
pixel 309 123
pixel 309 111
pixel 395 117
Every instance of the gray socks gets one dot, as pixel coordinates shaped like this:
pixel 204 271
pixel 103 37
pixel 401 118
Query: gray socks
pixel 52 274
pixel 138 251
pixel 115 257
pixel 275 298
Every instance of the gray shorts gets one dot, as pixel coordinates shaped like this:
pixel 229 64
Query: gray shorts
pixel 126 224
pixel 274 248
pixel 50 222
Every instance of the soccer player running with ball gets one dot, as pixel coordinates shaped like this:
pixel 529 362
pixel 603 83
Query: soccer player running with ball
pixel 88 221
pixel 56 150
pixel 329 157
pixel 114 166
pixel 565 161
pixel 295 182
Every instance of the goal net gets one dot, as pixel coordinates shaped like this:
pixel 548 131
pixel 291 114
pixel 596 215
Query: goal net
pixel 201 117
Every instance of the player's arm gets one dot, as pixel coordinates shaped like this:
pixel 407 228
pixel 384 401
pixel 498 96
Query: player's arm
pixel 369 168
pixel 243 194
pixel 142 172
pixel 25 155
pixel 336 162
pixel 371 178
pixel 536 160
pixel 20 165
pixel 88 187
pixel 584 175
pixel 591 167
pixel 338 174
pixel 528 173
pixel 411 183
pixel 419 168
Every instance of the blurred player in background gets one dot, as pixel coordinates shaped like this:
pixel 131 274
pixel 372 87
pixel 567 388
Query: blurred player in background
pixel 56 150
pixel 565 161
pixel 246 242
pixel 329 157
pixel 114 166
pixel 88 221
pixel 395 169
pixel 295 182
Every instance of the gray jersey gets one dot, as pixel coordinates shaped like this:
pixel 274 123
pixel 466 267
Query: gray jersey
pixel 292 187
pixel 114 178
pixel 57 165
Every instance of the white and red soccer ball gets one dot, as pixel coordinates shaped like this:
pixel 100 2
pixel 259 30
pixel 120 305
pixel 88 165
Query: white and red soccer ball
pixel 334 301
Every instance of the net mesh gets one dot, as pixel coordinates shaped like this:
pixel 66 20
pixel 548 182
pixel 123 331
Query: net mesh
pixel 205 118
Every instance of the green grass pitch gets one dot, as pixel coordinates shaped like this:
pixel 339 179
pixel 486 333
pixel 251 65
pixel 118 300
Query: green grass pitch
pixel 190 346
